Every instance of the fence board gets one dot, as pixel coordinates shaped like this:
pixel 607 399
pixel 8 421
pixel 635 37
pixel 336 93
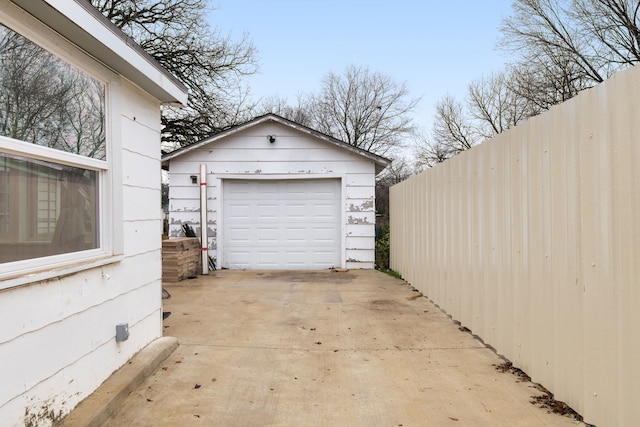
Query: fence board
pixel 531 241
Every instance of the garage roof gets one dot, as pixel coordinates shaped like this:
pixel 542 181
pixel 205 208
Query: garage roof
pixel 381 162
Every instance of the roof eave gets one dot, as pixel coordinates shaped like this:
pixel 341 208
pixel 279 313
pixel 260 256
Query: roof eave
pixel 380 162
pixel 76 21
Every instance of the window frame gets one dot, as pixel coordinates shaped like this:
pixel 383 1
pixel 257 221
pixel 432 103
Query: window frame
pixel 109 209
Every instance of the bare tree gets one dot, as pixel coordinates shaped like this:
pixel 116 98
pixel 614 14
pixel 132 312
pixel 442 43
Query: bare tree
pixel 547 83
pixel 396 172
pixel 45 101
pixel 176 34
pixel 614 27
pixel 399 170
pixel 491 107
pixel 556 60
pixel 428 153
pixel 454 131
pixel 567 46
pixel 363 108
pixel 563 47
pixel 495 106
pixel 278 105
pixel 543 31
pixel 453 127
pixel 85 118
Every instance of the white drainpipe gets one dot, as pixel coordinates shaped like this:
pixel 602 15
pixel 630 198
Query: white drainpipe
pixel 204 239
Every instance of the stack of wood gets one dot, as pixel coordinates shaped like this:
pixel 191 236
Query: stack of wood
pixel 180 259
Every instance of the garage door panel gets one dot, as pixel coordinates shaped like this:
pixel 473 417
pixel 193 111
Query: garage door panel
pixel 239 235
pixel 265 188
pixel 295 211
pixel 324 211
pixel 240 259
pixel 296 259
pixel 295 188
pixel 324 235
pixel 267 259
pixel 322 189
pixel 239 187
pixel 267 211
pixel 239 211
pixel 268 236
pixel 296 235
pixel 282 224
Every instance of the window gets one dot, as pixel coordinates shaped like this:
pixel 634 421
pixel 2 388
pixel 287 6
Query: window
pixel 49 210
pixel 53 154
pixel 45 101
pixel 4 199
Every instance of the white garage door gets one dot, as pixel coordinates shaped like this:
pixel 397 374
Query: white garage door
pixel 284 224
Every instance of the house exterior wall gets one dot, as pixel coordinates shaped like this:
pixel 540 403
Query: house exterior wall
pixel 57 341
pixel 294 155
pixel 531 241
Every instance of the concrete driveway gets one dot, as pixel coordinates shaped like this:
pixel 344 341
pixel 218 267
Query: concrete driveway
pixel 322 348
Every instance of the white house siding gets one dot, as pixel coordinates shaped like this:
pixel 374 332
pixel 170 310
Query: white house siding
pixel 294 155
pixel 57 341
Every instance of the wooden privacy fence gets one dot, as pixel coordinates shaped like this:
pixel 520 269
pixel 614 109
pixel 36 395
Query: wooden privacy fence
pixel 532 241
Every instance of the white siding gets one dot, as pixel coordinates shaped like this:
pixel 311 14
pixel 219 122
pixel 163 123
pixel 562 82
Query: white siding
pixel 294 155
pixel 57 343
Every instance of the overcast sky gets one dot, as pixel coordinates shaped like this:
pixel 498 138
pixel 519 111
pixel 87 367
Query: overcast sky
pixel 435 46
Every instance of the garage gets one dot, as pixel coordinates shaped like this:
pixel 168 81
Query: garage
pixel 281 224
pixel 278 195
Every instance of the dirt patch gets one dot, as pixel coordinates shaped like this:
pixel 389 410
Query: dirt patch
pixel 379 302
pixel 309 276
pixel 544 400
pixel 46 413
pixel 387 305
pixel 547 401
pixel 508 367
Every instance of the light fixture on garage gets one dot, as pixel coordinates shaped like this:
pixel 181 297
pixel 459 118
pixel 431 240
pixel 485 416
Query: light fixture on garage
pixel 271 138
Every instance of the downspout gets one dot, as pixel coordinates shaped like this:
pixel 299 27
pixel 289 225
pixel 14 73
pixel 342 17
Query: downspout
pixel 204 239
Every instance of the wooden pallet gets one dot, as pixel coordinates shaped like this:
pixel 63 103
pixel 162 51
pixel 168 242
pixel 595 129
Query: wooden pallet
pixel 181 259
